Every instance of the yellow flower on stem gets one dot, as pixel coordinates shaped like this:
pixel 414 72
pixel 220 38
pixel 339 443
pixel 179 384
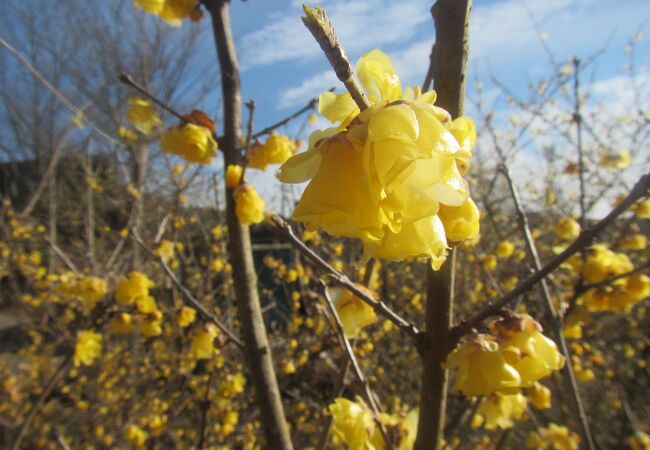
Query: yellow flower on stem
pixel 540 396
pixel 354 313
pixel 642 209
pixel 482 368
pixel 529 352
pixel 191 142
pixel 202 346
pixel 132 287
pixel 384 173
pixel 505 249
pixel 233 175
pixel 165 250
pixel 498 410
pixel 185 316
pixel 277 149
pixel 88 347
pixel 151 324
pixel 121 324
pixel 567 228
pixel 352 423
pixel 142 114
pixel 150 6
pixel 554 437
pixel 461 222
pixel 249 206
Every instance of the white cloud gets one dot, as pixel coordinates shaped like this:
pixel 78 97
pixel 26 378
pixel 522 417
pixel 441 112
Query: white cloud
pixel 309 88
pixel 360 25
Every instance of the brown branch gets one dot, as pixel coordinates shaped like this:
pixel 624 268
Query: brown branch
pixel 69 264
pixel 641 189
pixel 322 29
pixel 205 407
pixel 449 68
pixel 257 352
pixel 284 230
pixel 556 317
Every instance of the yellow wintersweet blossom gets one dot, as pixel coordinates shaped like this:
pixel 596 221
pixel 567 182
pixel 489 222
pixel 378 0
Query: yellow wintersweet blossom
pixel 165 250
pixel 642 209
pixel 171 11
pixel 249 206
pixel 482 367
pixel 540 396
pixel 191 142
pixel 352 423
pixel 498 410
pixel 89 289
pixel 529 352
pixel 185 316
pixel 142 114
pixel 87 348
pixel 151 324
pixel 121 324
pixel 461 222
pixel 233 175
pixel 639 441
pixel 136 435
pixel 382 175
pixel 202 346
pixel 505 249
pixel 132 287
pixel 634 242
pixel 619 160
pixel 354 313
pixel 554 437
pixel 276 150
pixel 567 228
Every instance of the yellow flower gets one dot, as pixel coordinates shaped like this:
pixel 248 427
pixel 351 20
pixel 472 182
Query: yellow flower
pixel 482 367
pixel 490 262
pixel 146 304
pixel 132 287
pixel 233 176
pixel 142 114
pixel 165 250
pixel 567 228
pixel 642 209
pixel 126 134
pixel 78 119
pixel 527 350
pixel 505 249
pixel 277 149
pixel 460 222
pixel 354 313
pixel 634 242
pixel 540 396
pixel 151 324
pixel 121 324
pixel 403 430
pixel 249 206
pixel 352 423
pixel 640 441
pixel 91 289
pixel 88 347
pixel 136 435
pixel 185 316
pixel 202 346
pixel 497 410
pixel 177 10
pixel 150 6
pixel 192 142
pixel 383 176
pixel 618 160
pixel 554 436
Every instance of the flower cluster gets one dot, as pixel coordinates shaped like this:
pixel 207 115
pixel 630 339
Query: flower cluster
pixel 190 141
pixel 87 347
pixel 276 150
pixel 353 425
pixel 554 437
pixel 602 264
pixel 515 355
pixel 388 174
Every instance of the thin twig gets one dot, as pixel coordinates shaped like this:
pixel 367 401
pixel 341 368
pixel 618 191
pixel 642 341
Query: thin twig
pixel 641 189
pixel 69 264
pixel 556 317
pixel 284 230
pixel 347 347
pixel 205 407
pixel 187 294
pixel 322 29
pixel 51 384
pixel 310 105
pixel 128 80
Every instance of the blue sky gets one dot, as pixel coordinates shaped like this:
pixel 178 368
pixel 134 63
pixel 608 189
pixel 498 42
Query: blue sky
pixel 282 66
